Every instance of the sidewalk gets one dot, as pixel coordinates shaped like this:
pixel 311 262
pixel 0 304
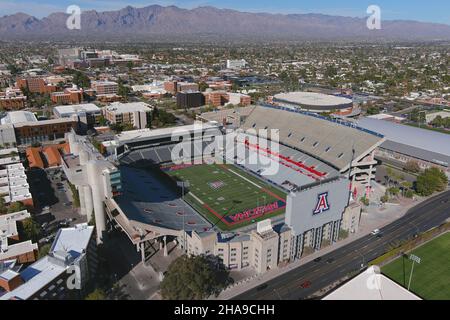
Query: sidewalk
pixel 366 226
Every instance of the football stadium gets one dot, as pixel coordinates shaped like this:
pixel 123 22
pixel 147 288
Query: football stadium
pixel 285 187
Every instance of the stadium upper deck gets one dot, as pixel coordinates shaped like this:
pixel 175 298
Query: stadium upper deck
pixel 331 141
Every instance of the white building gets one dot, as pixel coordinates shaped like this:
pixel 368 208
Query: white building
pixel 62 274
pixel 136 113
pixel 236 64
pixel 371 285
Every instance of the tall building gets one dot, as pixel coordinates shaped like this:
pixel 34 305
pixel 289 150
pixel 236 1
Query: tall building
pixel 216 98
pixel 171 86
pixel 105 87
pixel 190 99
pixel 35 85
pixel 137 114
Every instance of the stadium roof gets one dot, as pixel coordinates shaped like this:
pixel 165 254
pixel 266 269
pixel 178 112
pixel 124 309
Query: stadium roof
pixel 331 141
pixel 314 100
pixel 371 285
pixel 420 140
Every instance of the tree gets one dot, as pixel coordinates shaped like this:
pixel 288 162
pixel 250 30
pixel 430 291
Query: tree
pixel 16 207
pixel 194 278
pixel 44 250
pixel 81 80
pixel 30 229
pixel 3 209
pixel 202 86
pixel 97 294
pixel 430 181
pixel 412 166
pixel 102 121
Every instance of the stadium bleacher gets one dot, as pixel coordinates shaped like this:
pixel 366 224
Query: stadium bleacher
pixel 330 141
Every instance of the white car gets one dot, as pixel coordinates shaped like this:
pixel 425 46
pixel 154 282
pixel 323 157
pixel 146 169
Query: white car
pixel 375 232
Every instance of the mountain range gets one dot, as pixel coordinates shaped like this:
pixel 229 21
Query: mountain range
pixel 172 23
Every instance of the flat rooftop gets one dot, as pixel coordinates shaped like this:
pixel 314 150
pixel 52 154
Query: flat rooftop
pixel 73 240
pixel 119 107
pixel 71 109
pixel 16 117
pixel 427 140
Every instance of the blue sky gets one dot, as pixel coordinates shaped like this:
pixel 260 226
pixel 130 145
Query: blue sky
pixel 421 10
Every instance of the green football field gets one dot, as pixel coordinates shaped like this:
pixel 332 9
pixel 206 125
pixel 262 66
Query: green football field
pixel 229 197
pixel 431 278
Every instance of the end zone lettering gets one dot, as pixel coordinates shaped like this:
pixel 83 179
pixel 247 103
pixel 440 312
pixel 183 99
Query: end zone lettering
pixel 256 212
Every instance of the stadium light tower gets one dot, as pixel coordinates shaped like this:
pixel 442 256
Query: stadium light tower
pixel 414 259
pixel 183 184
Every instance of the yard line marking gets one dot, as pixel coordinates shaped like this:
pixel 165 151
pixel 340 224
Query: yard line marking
pixel 242 177
pixel 195 197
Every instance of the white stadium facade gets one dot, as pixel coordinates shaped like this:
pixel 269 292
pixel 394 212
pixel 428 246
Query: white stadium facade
pixel 321 162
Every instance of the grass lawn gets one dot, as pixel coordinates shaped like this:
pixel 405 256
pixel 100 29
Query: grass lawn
pixel 228 196
pixel 431 278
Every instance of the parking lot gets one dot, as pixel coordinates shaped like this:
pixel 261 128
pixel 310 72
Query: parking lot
pixel 53 201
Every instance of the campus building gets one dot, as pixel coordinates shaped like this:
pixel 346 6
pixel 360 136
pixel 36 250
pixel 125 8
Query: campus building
pixel 236 64
pixel 12 99
pixel 190 99
pixel 63 274
pixel 35 85
pixel 137 114
pixel 10 247
pixel 105 87
pixel 87 114
pixel 405 144
pixel 68 96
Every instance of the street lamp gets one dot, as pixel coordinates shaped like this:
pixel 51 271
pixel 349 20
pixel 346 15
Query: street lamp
pixel 363 259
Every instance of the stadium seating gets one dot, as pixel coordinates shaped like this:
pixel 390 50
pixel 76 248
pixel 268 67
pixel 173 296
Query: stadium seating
pixel 329 141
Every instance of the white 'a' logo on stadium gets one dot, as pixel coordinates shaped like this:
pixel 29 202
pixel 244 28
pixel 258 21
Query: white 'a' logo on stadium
pixel 322 203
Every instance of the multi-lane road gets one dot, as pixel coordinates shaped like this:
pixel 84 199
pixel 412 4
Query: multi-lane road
pixel 307 279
